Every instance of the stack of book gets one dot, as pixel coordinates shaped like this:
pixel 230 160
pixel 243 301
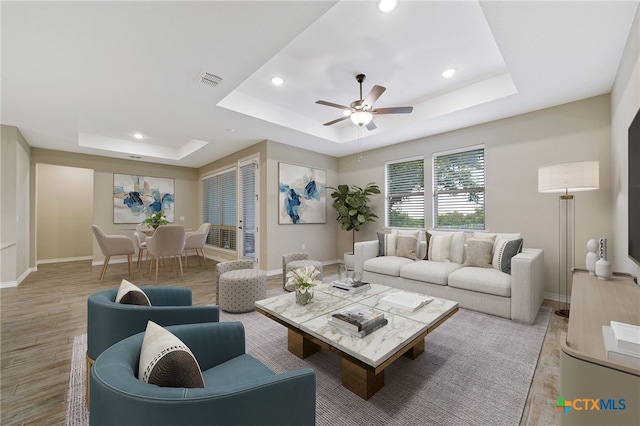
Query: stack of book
pixel 358 320
pixel 622 343
pixel 351 286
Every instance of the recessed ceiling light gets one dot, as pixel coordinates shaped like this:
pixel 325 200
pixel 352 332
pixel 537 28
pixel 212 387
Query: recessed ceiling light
pixel 346 112
pixel 138 135
pixel 448 73
pixel 387 5
pixel 277 81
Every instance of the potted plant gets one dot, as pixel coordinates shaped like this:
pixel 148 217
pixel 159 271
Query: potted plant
pixel 155 219
pixel 352 205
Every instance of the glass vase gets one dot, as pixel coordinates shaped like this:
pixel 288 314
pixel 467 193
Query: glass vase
pixel 304 295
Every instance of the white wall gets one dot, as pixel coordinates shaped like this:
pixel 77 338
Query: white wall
pixel 625 103
pixel 514 149
pixel 14 207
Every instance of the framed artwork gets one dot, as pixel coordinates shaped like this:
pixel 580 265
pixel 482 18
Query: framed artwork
pixel 302 194
pixel 136 197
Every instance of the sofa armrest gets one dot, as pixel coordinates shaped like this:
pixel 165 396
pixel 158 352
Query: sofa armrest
pixel 527 285
pixel 364 250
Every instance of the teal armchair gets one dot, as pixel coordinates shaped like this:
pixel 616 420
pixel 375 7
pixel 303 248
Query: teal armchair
pixel 109 322
pixel 239 389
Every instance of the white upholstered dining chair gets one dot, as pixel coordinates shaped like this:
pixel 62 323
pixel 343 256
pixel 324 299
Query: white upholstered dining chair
pixel 166 241
pixel 195 241
pixel 113 245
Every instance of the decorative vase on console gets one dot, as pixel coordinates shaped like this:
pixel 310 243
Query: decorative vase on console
pixel 592 256
pixel 603 266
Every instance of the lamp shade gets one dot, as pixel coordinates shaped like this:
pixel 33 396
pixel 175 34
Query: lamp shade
pixel 361 118
pixel 572 176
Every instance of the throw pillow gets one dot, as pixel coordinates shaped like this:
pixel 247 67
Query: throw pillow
pixel 479 252
pixel 439 247
pixel 503 252
pixel 407 244
pixel 387 243
pixel 131 294
pixel 427 238
pixel 456 251
pixel 166 361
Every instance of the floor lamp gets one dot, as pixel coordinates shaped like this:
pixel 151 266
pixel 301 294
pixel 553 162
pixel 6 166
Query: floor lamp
pixel 564 178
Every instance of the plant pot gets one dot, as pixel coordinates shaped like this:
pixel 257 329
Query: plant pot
pixel 304 295
pixel 350 260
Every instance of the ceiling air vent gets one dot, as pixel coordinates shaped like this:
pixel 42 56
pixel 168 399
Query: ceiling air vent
pixel 210 79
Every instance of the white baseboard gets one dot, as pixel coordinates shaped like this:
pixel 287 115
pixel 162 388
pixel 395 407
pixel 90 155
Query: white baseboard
pixel 16 283
pixel 556 297
pixel 64 259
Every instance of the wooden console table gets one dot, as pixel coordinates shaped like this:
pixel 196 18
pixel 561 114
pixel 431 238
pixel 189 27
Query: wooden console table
pixel 585 371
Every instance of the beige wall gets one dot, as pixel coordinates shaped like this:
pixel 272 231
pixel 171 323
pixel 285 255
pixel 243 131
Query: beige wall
pixel 64 205
pixel 514 149
pixel 625 103
pixel 276 239
pixel 14 207
pixel 185 180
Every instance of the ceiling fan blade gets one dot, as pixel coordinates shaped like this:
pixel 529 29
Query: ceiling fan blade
pixel 373 95
pixel 371 126
pixel 337 120
pixel 393 110
pixel 331 104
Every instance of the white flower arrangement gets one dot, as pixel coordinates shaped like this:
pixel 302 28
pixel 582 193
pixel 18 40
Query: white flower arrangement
pixel 304 278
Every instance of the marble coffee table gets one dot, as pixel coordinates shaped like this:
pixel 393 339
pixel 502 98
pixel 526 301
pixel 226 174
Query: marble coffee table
pixel 363 359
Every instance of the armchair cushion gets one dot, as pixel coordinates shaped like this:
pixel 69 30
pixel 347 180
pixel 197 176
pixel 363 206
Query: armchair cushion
pixel 166 361
pixel 131 294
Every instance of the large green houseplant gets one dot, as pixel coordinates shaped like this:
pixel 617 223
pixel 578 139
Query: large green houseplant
pixel 352 205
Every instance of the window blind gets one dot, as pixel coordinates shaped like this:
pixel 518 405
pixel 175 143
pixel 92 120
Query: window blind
pixel 405 193
pixel 458 191
pixel 219 208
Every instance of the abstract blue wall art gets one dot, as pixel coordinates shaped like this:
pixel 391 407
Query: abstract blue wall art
pixel 302 194
pixel 136 197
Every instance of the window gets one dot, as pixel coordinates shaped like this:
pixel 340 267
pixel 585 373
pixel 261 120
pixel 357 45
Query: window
pixel 405 193
pixel 219 208
pixel 458 189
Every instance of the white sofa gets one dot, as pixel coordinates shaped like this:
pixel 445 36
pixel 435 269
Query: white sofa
pixel 517 295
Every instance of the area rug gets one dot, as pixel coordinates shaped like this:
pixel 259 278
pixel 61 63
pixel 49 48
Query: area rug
pixel 476 370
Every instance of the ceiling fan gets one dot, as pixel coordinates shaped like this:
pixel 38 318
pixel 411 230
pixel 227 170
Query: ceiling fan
pixel 361 112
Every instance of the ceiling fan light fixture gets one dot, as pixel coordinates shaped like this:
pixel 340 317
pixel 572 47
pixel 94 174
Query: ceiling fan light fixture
pixel 361 118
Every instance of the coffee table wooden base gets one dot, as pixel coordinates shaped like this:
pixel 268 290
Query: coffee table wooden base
pixel 360 378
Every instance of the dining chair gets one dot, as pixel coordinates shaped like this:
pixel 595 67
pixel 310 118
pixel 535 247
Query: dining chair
pixel 113 245
pixel 167 241
pixel 140 238
pixel 195 241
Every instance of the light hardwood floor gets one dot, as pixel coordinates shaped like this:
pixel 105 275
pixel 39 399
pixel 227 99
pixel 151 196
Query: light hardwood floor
pixel 40 318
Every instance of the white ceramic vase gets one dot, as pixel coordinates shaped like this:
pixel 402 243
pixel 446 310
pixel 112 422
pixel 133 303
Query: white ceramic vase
pixel 603 266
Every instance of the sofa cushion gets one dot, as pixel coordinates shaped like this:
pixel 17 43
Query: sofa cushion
pixel 428 271
pixel 408 244
pixel 386 265
pixel 439 249
pixel 130 294
pixel 166 361
pixel 503 252
pixel 479 252
pixel 387 242
pixel 482 280
pixel 456 252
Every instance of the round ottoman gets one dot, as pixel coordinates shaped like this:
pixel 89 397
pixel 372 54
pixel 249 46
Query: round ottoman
pixel 296 264
pixel 239 289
